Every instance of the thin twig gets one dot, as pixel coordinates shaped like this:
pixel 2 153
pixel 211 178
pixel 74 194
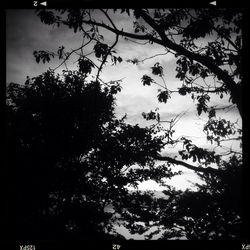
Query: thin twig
pixel 106 56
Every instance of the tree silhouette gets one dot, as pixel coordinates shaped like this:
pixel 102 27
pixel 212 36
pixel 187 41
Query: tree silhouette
pixel 68 153
pixel 72 157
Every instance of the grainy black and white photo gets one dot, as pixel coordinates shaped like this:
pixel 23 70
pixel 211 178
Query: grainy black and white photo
pixel 124 124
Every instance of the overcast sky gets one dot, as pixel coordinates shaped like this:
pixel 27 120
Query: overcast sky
pixel 26 33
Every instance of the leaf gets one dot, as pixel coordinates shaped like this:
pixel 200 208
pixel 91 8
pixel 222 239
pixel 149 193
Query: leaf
pixel 136 13
pixel 46 16
pixel 146 80
pixel 137 30
pixel 157 69
pixel 60 52
pixel 184 90
pixel 211 113
pixel 119 59
pixel 101 50
pixel 85 65
pixel 163 96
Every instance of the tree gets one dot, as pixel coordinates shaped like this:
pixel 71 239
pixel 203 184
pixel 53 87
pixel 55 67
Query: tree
pixel 101 140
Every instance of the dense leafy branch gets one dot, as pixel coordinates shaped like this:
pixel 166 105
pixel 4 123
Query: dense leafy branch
pixel 189 166
pixel 204 60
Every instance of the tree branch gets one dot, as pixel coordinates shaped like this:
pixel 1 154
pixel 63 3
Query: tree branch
pixel 106 56
pixel 208 170
pixel 123 33
pixel 234 88
pixel 162 54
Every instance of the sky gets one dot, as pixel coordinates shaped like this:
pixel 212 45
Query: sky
pixel 25 33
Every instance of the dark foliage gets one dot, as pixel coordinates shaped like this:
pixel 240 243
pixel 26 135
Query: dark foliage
pixel 66 152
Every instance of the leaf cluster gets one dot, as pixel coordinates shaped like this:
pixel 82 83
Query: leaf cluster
pixel 198 154
pixel 198 28
pixel 101 50
pixel 163 96
pixel 85 65
pixel 157 69
pixel 45 56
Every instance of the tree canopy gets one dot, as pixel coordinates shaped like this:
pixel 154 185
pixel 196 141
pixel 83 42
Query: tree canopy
pixel 74 160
